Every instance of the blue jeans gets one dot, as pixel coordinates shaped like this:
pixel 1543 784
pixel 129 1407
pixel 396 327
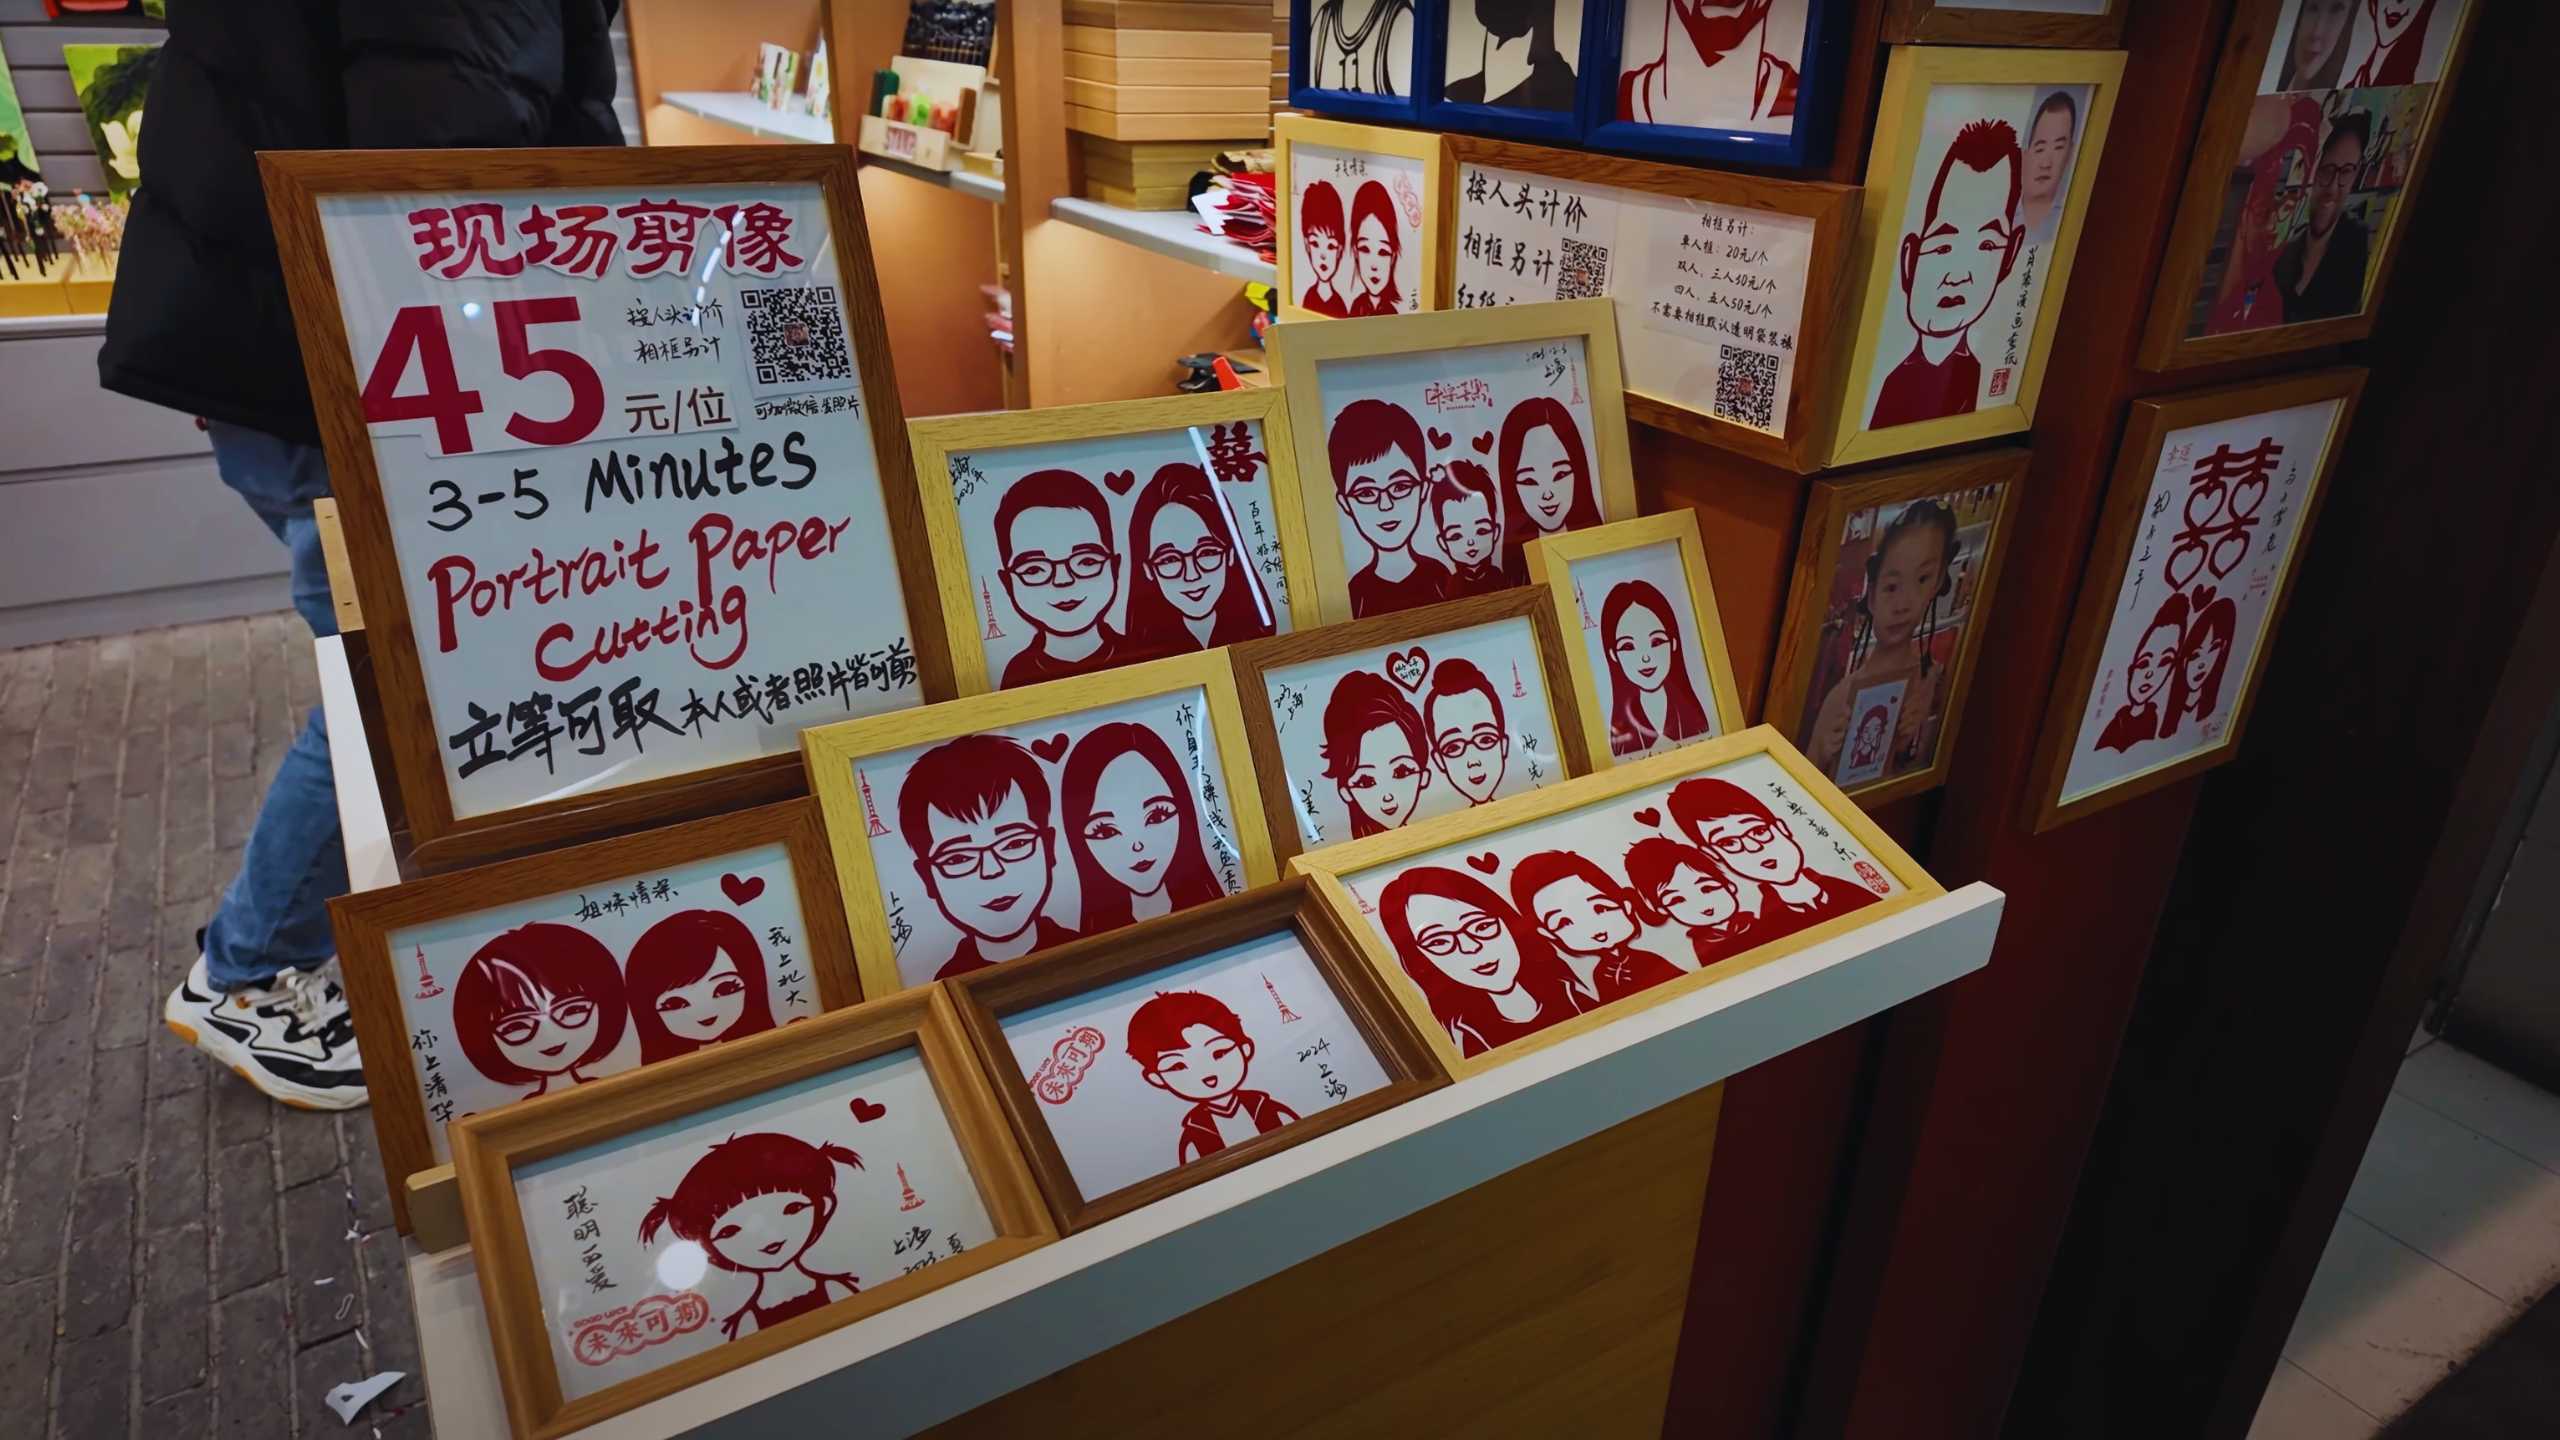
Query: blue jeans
pixel 275 915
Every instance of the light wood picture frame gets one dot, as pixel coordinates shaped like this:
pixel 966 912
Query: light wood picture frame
pixel 1965 502
pixel 383 984
pixel 1887 373
pixel 1356 1011
pixel 1408 181
pixel 1270 541
pixel 1221 802
pixel 493 1152
pixel 2265 141
pixel 2168 623
pixel 300 185
pixel 1591 810
pixel 1302 355
pixel 1563 566
pixel 2084 25
pixel 1627 206
pixel 1408 636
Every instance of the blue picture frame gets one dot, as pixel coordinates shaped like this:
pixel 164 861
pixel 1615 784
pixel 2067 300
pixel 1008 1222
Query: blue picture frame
pixel 1817 101
pixel 1348 104
pixel 1563 126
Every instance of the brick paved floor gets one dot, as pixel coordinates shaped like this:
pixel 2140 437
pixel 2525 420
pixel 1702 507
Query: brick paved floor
pixel 178 1256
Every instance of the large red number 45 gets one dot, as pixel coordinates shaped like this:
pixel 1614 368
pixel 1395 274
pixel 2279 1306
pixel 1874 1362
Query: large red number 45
pixel 418 332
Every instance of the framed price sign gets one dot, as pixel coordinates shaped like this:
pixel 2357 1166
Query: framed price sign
pixel 626 491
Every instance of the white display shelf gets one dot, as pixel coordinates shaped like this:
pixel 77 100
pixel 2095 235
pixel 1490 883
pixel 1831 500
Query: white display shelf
pixel 985 187
pixel 947 1352
pixel 752 115
pixel 1167 232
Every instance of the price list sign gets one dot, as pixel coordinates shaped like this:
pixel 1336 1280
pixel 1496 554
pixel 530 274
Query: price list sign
pixel 618 451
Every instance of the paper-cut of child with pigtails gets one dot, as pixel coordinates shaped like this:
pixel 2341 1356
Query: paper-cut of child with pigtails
pixel 694 979
pixel 1693 892
pixel 1192 1047
pixel 538 1005
pixel 1466 515
pixel 756 1204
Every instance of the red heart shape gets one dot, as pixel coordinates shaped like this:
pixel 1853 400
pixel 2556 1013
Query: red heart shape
pixel 1484 443
pixel 741 888
pixel 1486 863
pixel 1648 816
pixel 1409 668
pixel 1053 749
pixel 866 1111
pixel 1120 480
pixel 1440 438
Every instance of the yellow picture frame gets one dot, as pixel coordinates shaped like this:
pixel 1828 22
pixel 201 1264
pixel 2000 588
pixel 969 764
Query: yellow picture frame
pixel 1551 562
pixel 1901 112
pixel 1289 130
pixel 1300 351
pixel 936 439
pixel 1329 868
pixel 831 752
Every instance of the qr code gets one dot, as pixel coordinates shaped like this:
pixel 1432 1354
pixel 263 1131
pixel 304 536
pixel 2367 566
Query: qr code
pixel 1584 275
pixel 795 336
pixel 1746 385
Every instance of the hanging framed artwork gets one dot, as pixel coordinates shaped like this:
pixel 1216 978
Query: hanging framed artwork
pixel 1360 58
pixel 1507 67
pixel 2078 24
pixel 1645 644
pixel 1727 286
pixel 1371 725
pixel 650 1231
pixel 1752 82
pixel 1398 422
pixel 1979 182
pixel 1885 616
pixel 988 829
pixel 2202 534
pixel 1187 1047
pixel 1505 929
pixel 2315 140
pixel 1073 539
pixel 477 989
pixel 618 457
pixel 1362 219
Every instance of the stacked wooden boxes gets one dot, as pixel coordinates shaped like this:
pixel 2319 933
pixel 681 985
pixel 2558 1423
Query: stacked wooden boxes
pixel 1279 56
pixel 1156 88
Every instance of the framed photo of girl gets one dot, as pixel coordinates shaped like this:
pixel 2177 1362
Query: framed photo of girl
pixel 1506 929
pixel 1070 540
pixel 617 542
pixel 1507 67
pixel 2315 140
pixel 1362 221
pixel 1884 616
pixel 1977 186
pixel 645 1233
pixel 1178 1050
pixel 1370 725
pixel 1647 653
pixel 476 989
pixel 2214 493
pixel 2081 24
pixel 1409 430
pixel 1754 82
pixel 988 829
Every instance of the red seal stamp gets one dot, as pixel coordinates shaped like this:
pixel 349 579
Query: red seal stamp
pixel 1056 1080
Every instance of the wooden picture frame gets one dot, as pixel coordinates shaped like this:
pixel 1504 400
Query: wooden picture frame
pixel 2139 465
pixel 1300 353
pixel 1897 178
pixel 1812 598
pixel 1306 33
pixel 1559 124
pixel 1552 560
pixel 489 1149
pixel 297 183
pixel 1817 63
pixel 2204 240
pixel 987 999
pixel 1416 147
pixel 367 922
pixel 1952 22
pixel 834 751
pixel 965 612
pixel 1254 662
pixel 1332 870
pixel 1653 357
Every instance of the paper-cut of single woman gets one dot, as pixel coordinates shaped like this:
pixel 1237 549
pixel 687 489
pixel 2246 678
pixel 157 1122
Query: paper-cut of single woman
pixel 1375 752
pixel 1192 591
pixel 1909 574
pixel 1488 975
pixel 1651 700
pixel 696 978
pixel 539 1004
pixel 1134 827
pixel 1545 475
pixel 2146 674
pixel 1695 894
pixel 1376 247
pixel 1585 913
pixel 2204 653
pixel 755 1204
pixel 1320 229
pixel 1192 1047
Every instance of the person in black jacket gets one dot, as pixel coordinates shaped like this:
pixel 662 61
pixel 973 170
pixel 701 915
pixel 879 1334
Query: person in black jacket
pixel 199 323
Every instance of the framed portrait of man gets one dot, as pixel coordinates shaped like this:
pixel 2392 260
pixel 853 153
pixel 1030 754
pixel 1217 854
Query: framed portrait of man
pixel 1749 81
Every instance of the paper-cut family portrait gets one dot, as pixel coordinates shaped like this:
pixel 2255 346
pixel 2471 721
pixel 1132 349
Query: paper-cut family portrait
pixel 1712 64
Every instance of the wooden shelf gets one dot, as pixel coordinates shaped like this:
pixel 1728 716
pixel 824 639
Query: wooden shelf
pixel 985 187
pixel 1176 233
pixel 746 112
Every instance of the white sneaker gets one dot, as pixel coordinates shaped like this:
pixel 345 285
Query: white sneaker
pixel 292 1039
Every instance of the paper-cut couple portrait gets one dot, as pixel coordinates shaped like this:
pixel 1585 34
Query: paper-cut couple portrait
pixel 1357 221
pixel 1712 64
pixel 1512 54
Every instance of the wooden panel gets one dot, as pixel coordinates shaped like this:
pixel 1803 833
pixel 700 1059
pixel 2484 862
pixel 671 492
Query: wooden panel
pixel 684 45
pixel 935 247
pixel 1444 1323
pixel 1166 15
pixel 1164 44
pixel 1141 70
pixel 1747 514
pixel 1165 99
pixel 1108 348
